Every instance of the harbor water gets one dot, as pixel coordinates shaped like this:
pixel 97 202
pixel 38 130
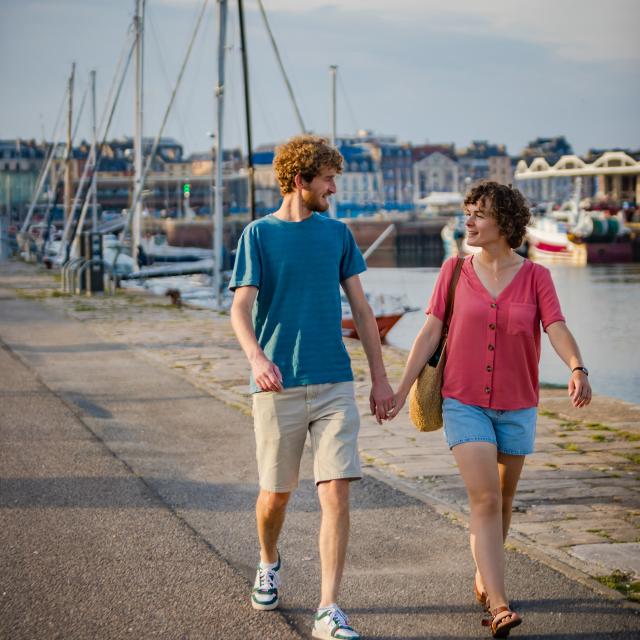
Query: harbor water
pixel 601 304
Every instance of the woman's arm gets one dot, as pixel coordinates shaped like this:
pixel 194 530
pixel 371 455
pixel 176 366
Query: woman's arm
pixel 565 345
pixel 423 348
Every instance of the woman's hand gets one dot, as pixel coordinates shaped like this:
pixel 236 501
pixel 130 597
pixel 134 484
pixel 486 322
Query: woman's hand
pixel 579 389
pixel 399 399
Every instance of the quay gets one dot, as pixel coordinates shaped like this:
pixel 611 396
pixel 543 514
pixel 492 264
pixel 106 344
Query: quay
pixel 128 483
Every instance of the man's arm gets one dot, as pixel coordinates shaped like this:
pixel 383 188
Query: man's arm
pixel 381 398
pixel 265 373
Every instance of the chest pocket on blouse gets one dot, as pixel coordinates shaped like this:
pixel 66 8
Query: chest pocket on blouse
pixel 521 319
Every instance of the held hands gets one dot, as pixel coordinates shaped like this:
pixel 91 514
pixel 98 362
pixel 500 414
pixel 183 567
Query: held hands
pixel 266 374
pixel 389 407
pixel 381 400
pixel 579 389
pixel 399 400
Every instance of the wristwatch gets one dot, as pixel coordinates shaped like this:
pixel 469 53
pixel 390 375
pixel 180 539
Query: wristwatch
pixel 583 369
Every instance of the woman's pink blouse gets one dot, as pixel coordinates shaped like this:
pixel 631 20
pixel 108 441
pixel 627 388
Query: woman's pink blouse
pixel 493 348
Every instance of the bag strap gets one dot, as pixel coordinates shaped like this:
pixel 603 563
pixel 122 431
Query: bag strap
pixel 451 295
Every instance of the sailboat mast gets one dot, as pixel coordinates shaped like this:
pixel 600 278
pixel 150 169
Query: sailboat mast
pixel 138 21
pixel 68 153
pixel 219 187
pixel 94 136
pixel 333 71
pixel 247 113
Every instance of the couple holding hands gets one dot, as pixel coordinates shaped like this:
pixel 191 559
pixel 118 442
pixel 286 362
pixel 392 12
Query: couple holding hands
pixel 286 314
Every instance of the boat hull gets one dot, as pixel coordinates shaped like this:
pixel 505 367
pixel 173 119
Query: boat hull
pixel 385 324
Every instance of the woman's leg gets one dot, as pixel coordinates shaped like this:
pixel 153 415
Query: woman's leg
pixel 478 464
pixel 509 468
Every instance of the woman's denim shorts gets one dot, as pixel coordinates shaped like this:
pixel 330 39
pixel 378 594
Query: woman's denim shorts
pixel 512 432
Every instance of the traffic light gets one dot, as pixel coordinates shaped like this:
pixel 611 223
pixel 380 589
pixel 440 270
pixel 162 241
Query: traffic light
pixel 186 189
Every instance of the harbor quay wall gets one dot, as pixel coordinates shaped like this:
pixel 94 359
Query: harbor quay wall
pixel 412 243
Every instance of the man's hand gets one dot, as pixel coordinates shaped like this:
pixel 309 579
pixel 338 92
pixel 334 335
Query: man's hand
pixel 266 374
pixel 381 400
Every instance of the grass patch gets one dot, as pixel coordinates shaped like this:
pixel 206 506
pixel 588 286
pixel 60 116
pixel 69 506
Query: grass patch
pixel 622 582
pixel 600 532
pixel 548 414
pixel 598 437
pixel 570 446
pixel 56 293
pixel 551 465
pixel 627 435
pixel 570 425
pixel 83 307
pixel 597 426
pixel 632 457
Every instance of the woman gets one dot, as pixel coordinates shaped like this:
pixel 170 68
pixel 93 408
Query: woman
pixel 490 383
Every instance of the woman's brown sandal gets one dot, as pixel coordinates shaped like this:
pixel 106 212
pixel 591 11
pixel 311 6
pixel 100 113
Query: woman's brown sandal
pixel 501 620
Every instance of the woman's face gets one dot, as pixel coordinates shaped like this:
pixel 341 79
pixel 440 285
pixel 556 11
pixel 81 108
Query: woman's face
pixel 482 228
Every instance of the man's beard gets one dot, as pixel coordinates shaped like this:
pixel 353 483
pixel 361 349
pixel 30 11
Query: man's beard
pixel 314 203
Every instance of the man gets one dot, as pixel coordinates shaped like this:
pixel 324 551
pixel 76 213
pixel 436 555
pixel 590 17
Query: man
pixel 286 314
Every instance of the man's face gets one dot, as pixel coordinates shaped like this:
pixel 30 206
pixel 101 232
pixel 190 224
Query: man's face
pixel 315 194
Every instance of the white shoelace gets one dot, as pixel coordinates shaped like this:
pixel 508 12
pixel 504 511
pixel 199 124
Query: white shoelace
pixel 267 579
pixel 338 616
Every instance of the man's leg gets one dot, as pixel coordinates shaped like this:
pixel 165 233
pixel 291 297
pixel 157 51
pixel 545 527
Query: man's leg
pixel 334 536
pixel 270 513
pixel 281 429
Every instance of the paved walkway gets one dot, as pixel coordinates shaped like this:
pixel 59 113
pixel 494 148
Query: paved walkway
pixel 150 356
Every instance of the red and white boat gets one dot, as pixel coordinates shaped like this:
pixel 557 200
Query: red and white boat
pixel 549 242
pixel 387 309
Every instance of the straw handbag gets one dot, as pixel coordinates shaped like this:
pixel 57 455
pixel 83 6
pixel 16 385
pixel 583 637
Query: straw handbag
pixel 425 397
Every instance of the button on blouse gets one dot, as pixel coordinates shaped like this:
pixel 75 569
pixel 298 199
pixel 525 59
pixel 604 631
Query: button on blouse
pixel 493 349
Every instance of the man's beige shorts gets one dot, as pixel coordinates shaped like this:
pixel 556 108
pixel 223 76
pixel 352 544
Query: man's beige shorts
pixel 330 415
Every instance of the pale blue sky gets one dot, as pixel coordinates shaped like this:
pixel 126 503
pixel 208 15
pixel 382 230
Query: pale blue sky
pixel 502 70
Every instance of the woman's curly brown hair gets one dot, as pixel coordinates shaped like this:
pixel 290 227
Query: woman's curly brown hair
pixel 507 205
pixel 304 155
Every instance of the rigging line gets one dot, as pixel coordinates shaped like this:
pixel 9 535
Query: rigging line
pixel 80 110
pixel 303 129
pixel 125 46
pixel 66 241
pixel 200 56
pixel 46 165
pixel 348 102
pixel 150 157
pixel 54 135
pixel 67 154
pixel 165 74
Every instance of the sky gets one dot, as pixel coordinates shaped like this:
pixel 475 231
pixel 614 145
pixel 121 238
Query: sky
pixel 426 71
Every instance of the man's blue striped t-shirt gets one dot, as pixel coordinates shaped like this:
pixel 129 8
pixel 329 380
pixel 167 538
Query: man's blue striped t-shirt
pixel 297 268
